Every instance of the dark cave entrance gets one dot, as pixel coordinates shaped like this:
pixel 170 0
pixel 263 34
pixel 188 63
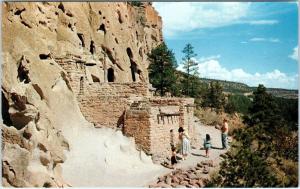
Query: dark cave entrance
pixel 4 110
pixel 110 75
pixel 133 66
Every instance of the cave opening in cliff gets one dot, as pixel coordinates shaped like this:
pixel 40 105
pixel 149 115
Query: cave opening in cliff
pixel 102 28
pixel 133 66
pixel 23 74
pixel 61 7
pixel 5 114
pixel 44 56
pixel 92 47
pixel 95 79
pixel 141 52
pixel 120 17
pixel 129 53
pixel 110 75
pixel 81 38
pixel 18 11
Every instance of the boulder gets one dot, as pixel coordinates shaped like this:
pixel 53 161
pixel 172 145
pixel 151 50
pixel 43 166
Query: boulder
pixel 200 165
pixel 192 176
pixel 184 183
pixel 175 179
pixel 200 183
pixel 45 159
pixel 168 180
pixel 205 170
pixel 162 179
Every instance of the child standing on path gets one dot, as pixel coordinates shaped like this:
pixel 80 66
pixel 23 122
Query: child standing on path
pixel 173 157
pixel 207 144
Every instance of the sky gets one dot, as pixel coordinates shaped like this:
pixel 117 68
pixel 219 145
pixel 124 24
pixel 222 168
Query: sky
pixel 249 42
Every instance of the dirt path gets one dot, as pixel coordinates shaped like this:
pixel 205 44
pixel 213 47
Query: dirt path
pixel 198 155
pixel 106 158
pixel 103 157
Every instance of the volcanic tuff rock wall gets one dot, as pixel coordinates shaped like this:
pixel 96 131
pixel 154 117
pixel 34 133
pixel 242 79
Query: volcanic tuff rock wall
pixel 108 41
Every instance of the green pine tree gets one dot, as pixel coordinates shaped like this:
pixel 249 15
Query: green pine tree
pixel 264 109
pixel 214 98
pixel 189 65
pixel 195 84
pixel 162 69
pixel 264 154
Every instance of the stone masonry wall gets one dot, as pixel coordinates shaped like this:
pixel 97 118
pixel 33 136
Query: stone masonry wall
pixel 137 124
pixel 160 130
pixel 161 125
pixel 104 104
pixel 151 125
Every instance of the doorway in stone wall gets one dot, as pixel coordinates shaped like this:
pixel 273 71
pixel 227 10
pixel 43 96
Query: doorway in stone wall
pixel 110 75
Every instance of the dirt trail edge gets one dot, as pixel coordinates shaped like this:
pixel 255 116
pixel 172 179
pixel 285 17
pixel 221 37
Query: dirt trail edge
pixel 196 169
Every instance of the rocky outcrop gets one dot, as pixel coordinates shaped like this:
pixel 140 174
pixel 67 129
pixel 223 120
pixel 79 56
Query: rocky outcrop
pixel 111 39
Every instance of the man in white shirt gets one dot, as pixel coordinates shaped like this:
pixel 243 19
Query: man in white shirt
pixel 224 134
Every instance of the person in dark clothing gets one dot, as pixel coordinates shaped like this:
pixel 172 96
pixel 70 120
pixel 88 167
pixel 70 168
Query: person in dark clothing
pixel 207 144
pixel 173 157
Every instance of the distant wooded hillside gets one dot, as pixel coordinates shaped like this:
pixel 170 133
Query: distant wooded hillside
pixel 241 88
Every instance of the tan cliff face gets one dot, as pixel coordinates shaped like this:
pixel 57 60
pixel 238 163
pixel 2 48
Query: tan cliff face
pixel 116 34
pixel 37 92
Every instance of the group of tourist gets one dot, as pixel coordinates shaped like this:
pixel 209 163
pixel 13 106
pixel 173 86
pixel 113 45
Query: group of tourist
pixel 184 146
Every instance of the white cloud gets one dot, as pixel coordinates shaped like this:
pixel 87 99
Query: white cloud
pixel 187 16
pixel 261 39
pixel 212 69
pixel 295 54
pixel 274 40
pixel 263 22
pixel 258 39
pixel 213 57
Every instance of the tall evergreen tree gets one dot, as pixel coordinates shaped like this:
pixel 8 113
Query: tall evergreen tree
pixel 162 69
pixel 214 97
pixel 262 151
pixel 188 64
pixel 264 109
pixel 195 83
